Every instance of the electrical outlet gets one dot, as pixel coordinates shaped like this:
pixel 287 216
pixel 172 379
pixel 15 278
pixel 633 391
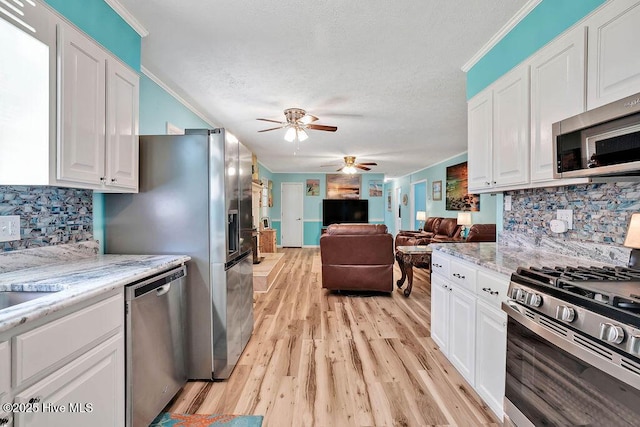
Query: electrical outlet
pixel 9 228
pixel 566 215
pixel 507 203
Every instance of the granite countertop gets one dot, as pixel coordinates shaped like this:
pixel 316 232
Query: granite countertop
pixel 506 260
pixel 76 280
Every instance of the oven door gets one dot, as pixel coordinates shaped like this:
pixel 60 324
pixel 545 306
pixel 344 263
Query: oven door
pixel 557 377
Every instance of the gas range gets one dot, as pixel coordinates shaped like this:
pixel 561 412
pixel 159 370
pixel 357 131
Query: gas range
pixel 601 302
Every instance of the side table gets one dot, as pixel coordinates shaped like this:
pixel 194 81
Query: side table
pixel 407 257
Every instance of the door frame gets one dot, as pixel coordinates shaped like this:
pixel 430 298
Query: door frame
pixel 396 210
pixel 296 184
pixel 412 199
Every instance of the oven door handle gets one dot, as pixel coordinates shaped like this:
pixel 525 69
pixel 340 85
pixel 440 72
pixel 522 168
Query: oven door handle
pixel 568 340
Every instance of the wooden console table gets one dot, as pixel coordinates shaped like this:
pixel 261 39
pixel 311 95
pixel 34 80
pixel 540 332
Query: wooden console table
pixel 268 240
pixel 407 257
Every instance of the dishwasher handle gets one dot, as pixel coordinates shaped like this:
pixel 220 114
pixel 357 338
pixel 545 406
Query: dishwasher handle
pixel 163 289
pixel 160 283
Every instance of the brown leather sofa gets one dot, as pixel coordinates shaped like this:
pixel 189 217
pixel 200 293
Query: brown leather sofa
pixel 477 233
pixel 435 228
pixel 357 257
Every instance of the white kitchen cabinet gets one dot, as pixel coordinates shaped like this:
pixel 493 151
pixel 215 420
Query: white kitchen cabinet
pixel 469 326
pixel 498 133
pixel 122 127
pixel 98 117
pixel 490 357
pixel 90 389
pixel 462 314
pixel 440 291
pixel 480 141
pixel 557 92
pixel 613 59
pixel 5 370
pixel 511 128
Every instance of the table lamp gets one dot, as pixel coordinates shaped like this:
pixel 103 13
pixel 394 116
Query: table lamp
pixel 421 216
pixel 464 219
pixel 632 240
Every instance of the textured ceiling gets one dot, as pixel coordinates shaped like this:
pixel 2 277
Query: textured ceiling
pixel 386 73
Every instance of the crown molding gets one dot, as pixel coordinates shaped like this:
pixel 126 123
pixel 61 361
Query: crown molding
pixel 497 37
pixel 173 93
pixel 128 17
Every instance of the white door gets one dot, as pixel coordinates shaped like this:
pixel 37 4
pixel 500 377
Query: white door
pixel 440 312
pixel 462 318
pixel 292 214
pixel 480 140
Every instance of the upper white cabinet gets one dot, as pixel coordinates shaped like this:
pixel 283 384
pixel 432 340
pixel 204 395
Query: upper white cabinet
pixel 98 117
pixel 557 92
pixel 498 133
pixel 614 62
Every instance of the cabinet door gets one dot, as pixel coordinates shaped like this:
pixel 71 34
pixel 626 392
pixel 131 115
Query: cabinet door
pixel 511 128
pixel 480 140
pixel 614 62
pixel 462 318
pixel 557 92
pixel 91 390
pixel 440 312
pixel 122 126
pixel 5 369
pixel 491 356
pixel 81 126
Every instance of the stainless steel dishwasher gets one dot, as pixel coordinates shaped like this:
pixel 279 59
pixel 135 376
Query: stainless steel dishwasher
pixel 155 345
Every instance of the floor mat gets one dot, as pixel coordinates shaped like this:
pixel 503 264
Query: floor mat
pixel 167 419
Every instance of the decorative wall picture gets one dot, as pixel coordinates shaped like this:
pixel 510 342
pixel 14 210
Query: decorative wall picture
pixel 457 196
pixel 375 188
pixel 388 200
pixel 270 194
pixel 343 186
pixel 313 187
pixel 436 190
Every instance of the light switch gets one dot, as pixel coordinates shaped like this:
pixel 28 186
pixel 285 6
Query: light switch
pixel 9 228
pixel 507 203
pixel 566 215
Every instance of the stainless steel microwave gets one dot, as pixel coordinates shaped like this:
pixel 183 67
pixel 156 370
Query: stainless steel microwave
pixel 600 142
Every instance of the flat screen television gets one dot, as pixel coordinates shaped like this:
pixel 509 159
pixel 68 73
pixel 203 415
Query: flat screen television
pixel 336 211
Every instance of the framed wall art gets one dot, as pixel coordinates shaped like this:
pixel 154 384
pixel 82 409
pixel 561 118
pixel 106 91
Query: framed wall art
pixel 436 190
pixel 458 197
pixel 313 187
pixel 388 200
pixel 375 188
pixel 343 186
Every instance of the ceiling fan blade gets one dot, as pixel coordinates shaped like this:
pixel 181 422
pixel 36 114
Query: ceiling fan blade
pixel 322 127
pixel 368 164
pixel 340 169
pixel 272 121
pixel 364 168
pixel 308 119
pixel 333 165
pixel 266 130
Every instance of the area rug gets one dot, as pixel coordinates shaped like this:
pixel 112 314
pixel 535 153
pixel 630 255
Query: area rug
pixel 167 419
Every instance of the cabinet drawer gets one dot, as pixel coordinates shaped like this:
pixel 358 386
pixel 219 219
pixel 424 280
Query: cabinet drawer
pixel 492 288
pixel 440 264
pixel 5 369
pixel 41 348
pixel 463 275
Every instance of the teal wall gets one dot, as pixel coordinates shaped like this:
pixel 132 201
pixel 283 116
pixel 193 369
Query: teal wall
pixel 488 202
pixel 98 20
pixel 420 194
pixel 548 20
pixel 157 107
pixel 313 204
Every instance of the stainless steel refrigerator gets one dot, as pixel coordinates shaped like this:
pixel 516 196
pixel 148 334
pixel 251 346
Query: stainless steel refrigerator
pixel 195 199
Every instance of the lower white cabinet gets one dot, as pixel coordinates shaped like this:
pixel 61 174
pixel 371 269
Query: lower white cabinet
pixel 469 327
pixel 69 366
pixel 85 392
pixel 490 356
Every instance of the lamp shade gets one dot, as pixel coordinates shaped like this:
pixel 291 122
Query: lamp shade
pixel 632 240
pixel 421 216
pixel 464 218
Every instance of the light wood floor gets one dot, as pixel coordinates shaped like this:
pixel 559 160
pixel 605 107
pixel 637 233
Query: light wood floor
pixel 322 359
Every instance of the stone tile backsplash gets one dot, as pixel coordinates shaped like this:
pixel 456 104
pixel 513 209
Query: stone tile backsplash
pixel 48 215
pixel 601 212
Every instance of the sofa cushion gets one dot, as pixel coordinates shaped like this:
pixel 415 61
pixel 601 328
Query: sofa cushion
pixel 359 229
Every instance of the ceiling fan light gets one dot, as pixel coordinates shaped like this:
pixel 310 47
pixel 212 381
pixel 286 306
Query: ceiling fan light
pixel 349 170
pixel 290 135
pixel 302 135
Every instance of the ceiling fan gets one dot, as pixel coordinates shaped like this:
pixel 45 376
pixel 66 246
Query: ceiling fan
pixel 298 121
pixel 350 165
